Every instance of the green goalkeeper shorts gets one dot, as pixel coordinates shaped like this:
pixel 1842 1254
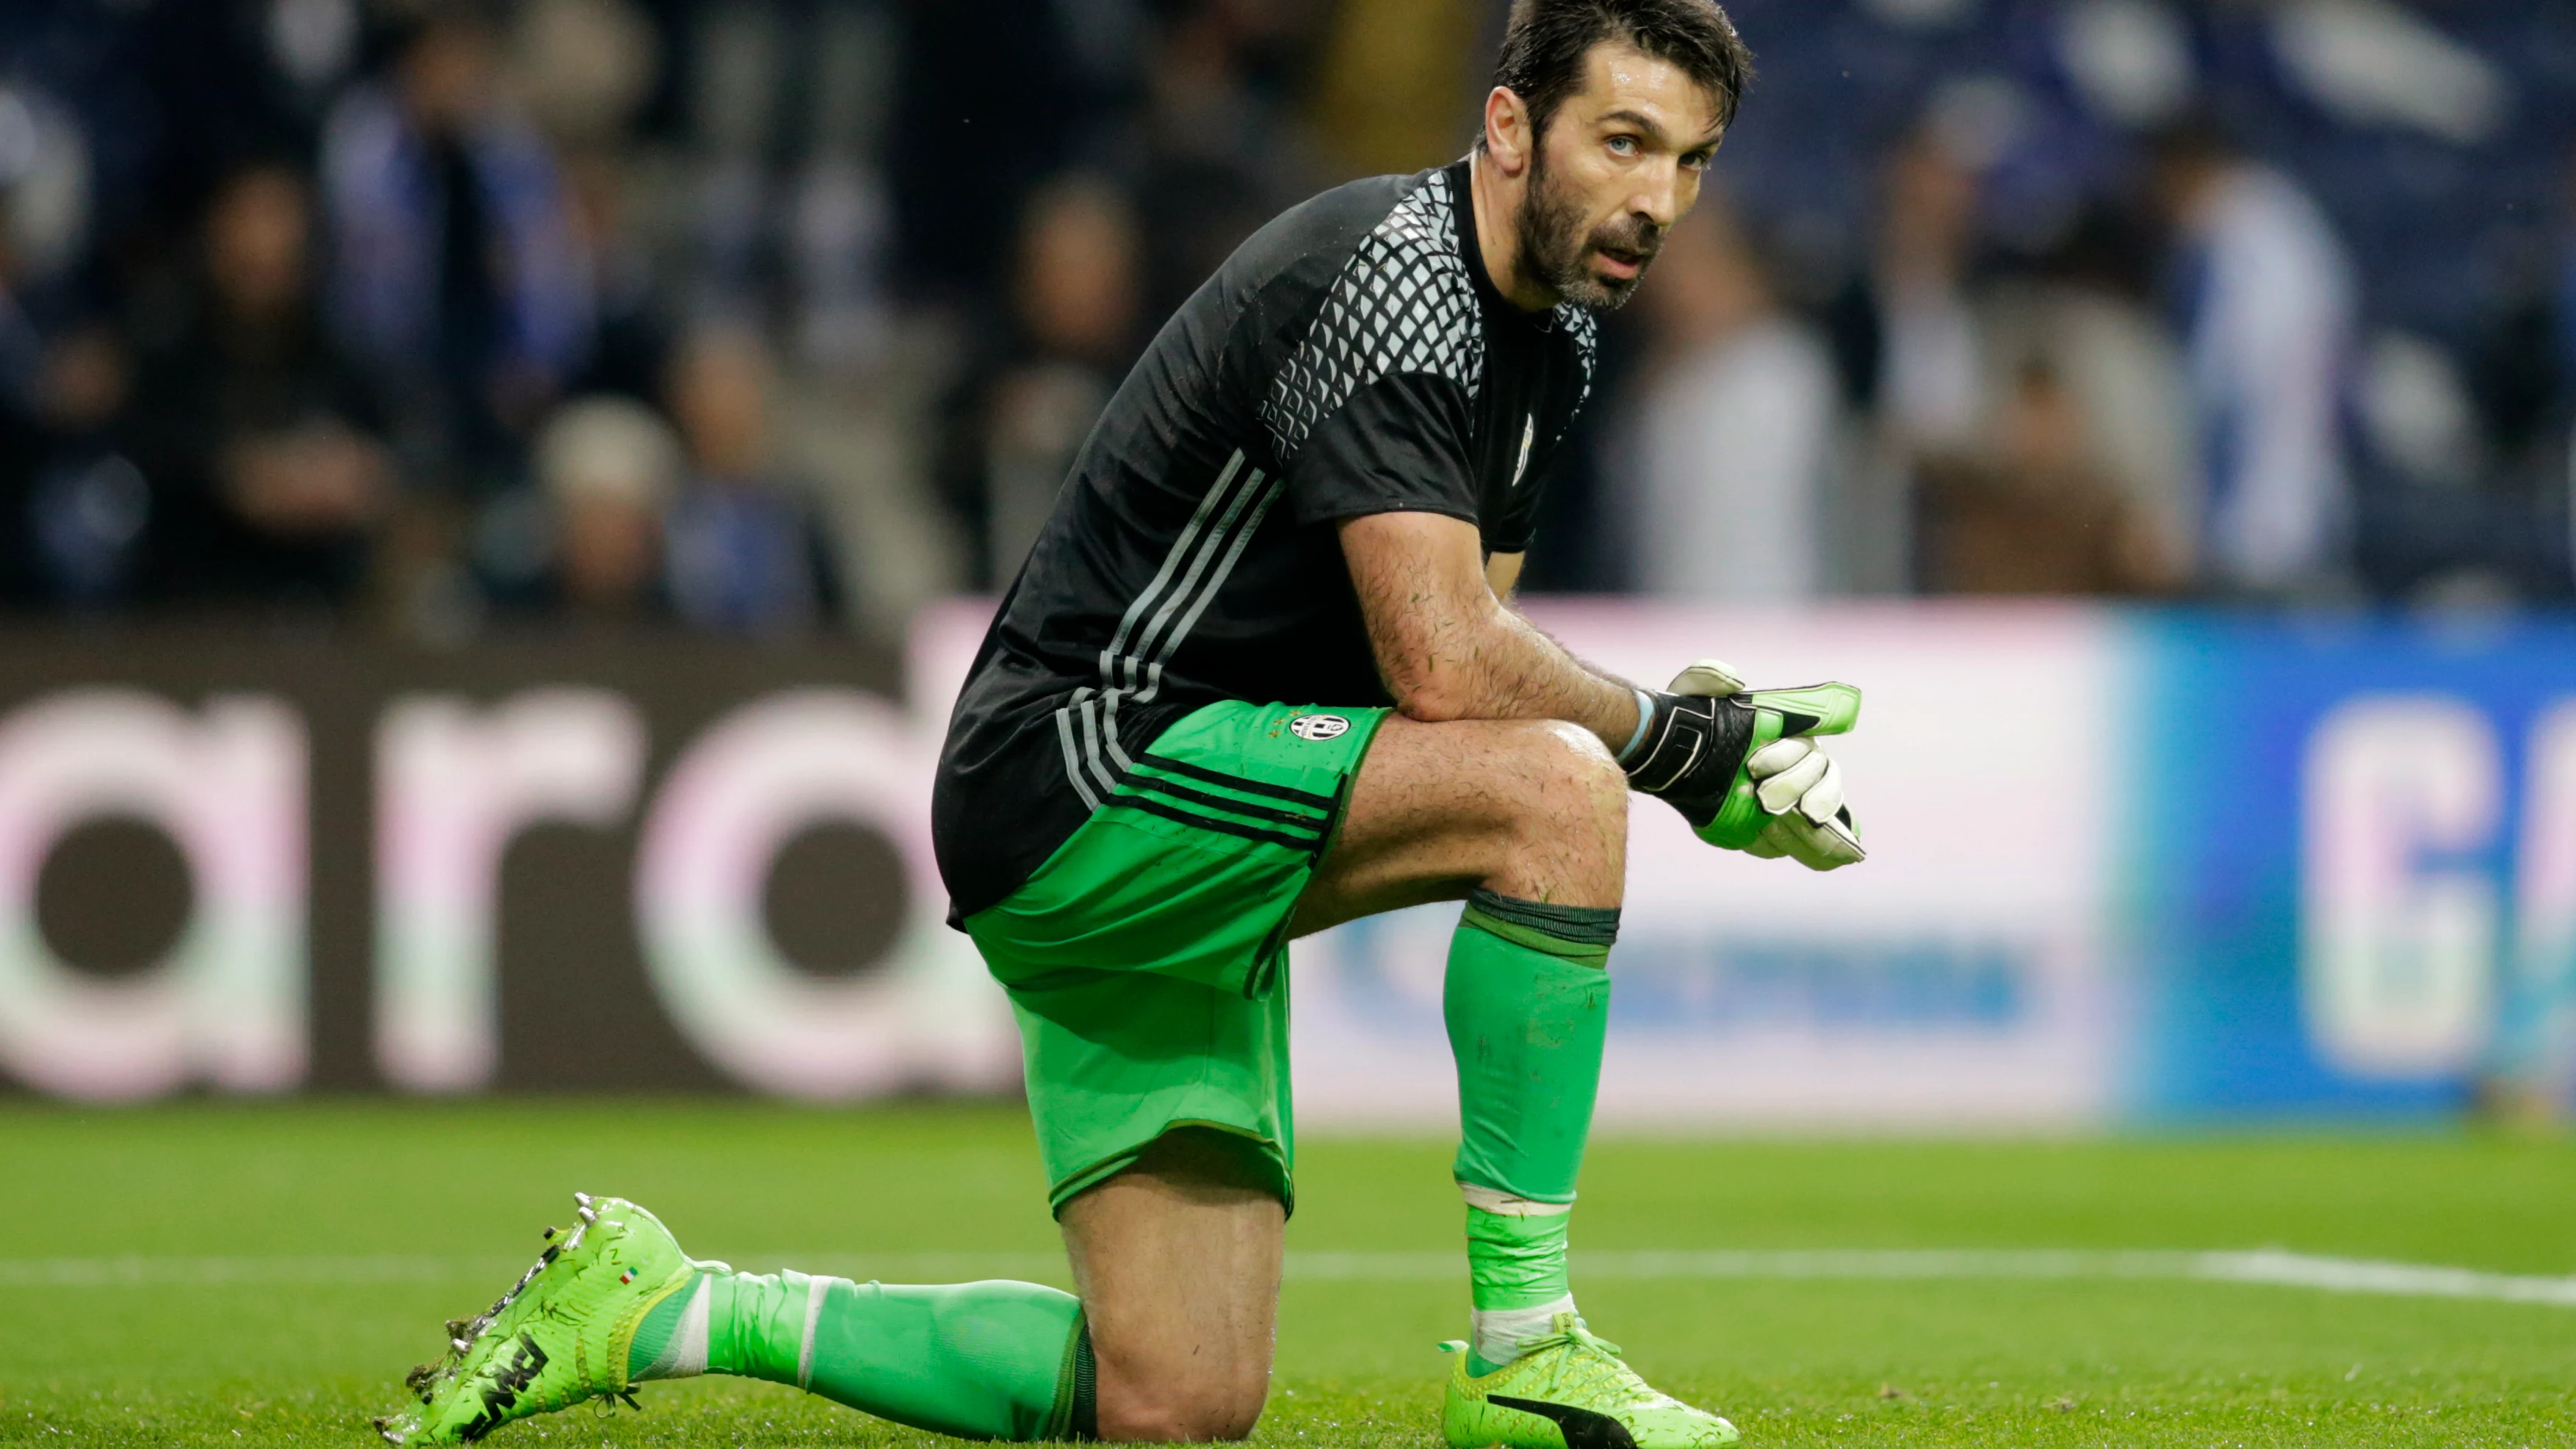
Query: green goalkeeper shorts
pixel 1145 960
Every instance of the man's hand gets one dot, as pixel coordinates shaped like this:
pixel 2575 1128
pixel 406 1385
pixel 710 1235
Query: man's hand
pixel 1739 767
pixel 1802 788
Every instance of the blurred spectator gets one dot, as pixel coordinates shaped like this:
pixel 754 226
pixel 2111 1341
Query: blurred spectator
pixel 86 506
pixel 1398 84
pixel 457 271
pixel 258 436
pixel 2083 317
pixel 865 183
pixel 790 103
pixel 1906 337
pixel 73 509
pixel 1728 445
pixel 241 79
pixel 586 67
pixel 744 551
pixel 632 344
pixel 988 105
pixel 608 467
pixel 1219 157
pixel 2031 514
pixel 2270 299
pixel 50 173
pixel 1908 344
pixel 1025 409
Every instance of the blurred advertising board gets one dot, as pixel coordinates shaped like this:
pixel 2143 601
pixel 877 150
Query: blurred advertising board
pixel 257 865
pixel 1959 975
pixel 2354 863
pixel 2125 866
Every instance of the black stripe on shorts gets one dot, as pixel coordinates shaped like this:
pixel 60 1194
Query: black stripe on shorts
pixel 1139 780
pixel 1234 782
pixel 1152 806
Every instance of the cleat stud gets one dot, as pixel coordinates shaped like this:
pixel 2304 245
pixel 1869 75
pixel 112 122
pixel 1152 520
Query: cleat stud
pixel 582 1198
pixel 460 1344
pixel 550 1232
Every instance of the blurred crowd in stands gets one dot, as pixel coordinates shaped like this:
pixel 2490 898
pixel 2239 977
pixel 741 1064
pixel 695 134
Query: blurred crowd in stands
pixel 767 317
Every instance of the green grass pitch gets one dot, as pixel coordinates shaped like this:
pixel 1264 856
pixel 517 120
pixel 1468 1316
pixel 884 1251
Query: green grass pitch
pixel 218 1275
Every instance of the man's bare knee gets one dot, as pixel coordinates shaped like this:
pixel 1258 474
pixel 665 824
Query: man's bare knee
pixel 1199 1384
pixel 1598 786
pixel 1212 1407
pixel 1177 1262
pixel 1569 786
pixel 1565 819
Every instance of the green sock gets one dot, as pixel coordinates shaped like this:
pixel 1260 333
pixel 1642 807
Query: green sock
pixel 1527 1001
pixel 992 1360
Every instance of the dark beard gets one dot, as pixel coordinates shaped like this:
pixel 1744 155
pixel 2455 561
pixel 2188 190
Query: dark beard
pixel 1554 248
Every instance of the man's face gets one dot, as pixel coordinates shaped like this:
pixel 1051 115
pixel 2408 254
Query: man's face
pixel 1620 162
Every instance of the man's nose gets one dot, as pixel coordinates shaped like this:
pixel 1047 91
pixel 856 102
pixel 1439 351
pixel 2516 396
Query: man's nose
pixel 1658 198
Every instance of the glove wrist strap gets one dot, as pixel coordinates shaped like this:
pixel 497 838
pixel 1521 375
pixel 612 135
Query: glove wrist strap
pixel 1645 721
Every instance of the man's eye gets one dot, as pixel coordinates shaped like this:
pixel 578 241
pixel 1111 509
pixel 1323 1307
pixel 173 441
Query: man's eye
pixel 1623 145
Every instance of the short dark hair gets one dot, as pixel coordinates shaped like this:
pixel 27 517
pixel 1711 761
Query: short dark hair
pixel 1546 41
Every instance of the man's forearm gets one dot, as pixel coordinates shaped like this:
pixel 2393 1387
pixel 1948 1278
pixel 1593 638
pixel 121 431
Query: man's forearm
pixel 1514 671
pixel 1449 649
pixel 1485 661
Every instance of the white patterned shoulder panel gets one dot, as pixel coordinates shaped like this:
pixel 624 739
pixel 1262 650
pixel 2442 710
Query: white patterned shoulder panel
pixel 1404 303
pixel 1586 331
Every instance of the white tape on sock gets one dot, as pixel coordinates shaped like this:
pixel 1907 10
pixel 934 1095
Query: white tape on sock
pixel 1502 1204
pixel 1502 1333
pixel 815 1288
pixel 685 1356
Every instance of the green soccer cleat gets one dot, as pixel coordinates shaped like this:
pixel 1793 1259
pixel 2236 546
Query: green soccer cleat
pixel 1570 1391
pixel 557 1338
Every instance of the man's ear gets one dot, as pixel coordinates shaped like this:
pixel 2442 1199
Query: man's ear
pixel 1508 139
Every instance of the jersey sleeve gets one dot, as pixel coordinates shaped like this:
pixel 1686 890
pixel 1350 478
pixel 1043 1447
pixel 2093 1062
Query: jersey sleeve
pixel 1398 445
pixel 1370 410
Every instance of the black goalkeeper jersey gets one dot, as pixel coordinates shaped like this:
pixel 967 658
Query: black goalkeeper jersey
pixel 1351 358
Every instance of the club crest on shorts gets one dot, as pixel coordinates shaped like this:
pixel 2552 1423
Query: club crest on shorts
pixel 1319 726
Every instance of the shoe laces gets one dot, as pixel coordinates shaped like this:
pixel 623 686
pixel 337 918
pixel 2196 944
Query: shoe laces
pixel 1588 1363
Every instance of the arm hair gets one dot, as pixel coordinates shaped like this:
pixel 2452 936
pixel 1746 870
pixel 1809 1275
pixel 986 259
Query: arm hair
pixel 1449 649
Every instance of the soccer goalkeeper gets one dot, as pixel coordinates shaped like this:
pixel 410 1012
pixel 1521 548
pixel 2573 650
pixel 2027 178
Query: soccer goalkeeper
pixel 1261 675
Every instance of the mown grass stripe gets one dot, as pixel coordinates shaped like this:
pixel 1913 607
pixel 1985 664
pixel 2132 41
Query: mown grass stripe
pixel 2268 1267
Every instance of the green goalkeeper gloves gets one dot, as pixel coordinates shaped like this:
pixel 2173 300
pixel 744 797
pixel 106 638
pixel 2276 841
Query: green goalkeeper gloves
pixel 1740 766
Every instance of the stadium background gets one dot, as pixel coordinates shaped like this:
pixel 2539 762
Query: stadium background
pixel 495 495
pixel 495 500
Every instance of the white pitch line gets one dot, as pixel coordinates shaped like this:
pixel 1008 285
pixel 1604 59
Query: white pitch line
pixel 2358 1275
pixel 2271 1267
